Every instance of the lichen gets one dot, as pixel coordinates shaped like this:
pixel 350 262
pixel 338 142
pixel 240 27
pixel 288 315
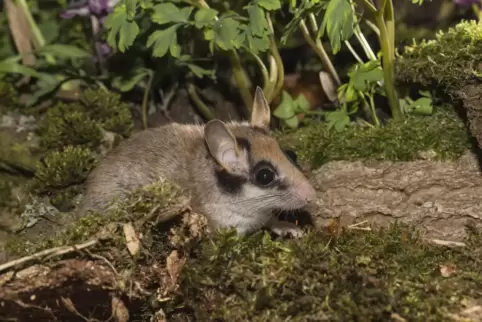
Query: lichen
pixel 443 133
pixel 448 61
pixel 361 276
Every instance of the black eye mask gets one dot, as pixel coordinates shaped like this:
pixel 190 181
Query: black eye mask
pixel 291 155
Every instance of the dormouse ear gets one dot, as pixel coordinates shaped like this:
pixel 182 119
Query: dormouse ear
pixel 224 149
pixel 261 114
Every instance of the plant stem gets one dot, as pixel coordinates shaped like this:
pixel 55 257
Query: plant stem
pixel 373 27
pixel 203 108
pixel 353 52
pixel 320 51
pixel 240 76
pixel 374 112
pixel 279 62
pixel 364 43
pixel 241 79
pixel 388 67
pixel 264 71
pixel 145 100
pixel 475 8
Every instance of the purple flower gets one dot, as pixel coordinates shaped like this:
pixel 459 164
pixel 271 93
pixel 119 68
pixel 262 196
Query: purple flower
pixel 85 8
pixel 468 2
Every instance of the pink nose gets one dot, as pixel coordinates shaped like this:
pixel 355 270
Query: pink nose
pixel 306 192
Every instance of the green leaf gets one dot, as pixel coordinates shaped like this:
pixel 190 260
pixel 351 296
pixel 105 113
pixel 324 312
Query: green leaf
pixel 117 24
pixel 340 125
pixel 421 106
pixel 365 75
pixel 425 93
pixel 113 23
pixel 286 108
pixel 204 17
pixel 257 21
pixel 168 12
pixel 50 30
pixel 127 83
pixel 146 4
pixel 10 67
pixel 292 122
pixel 199 71
pixel 174 48
pixel 131 6
pixel 127 34
pixel 67 51
pixel 270 4
pixel 162 40
pixel 226 31
pixel 302 103
pixel 338 22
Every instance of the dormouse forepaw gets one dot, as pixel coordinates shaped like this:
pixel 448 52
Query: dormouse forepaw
pixel 282 228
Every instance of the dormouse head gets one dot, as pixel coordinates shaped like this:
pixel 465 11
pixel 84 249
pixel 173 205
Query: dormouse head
pixel 252 168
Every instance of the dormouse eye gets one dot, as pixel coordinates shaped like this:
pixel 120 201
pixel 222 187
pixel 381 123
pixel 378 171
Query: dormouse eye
pixel 264 176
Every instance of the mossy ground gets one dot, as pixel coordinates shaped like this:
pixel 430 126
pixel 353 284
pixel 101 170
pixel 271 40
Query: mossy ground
pixel 449 61
pixel 360 276
pixel 444 133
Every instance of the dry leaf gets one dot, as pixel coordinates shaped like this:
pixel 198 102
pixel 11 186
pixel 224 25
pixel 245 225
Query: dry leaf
pixel 174 265
pixel 132 242
pixel 20 31
pixel 119 310
pixel 69 305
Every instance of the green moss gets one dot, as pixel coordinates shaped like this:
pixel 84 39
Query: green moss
pixel 147 201
pixel 81 123
pixel 362 276
pixel 61 169
pixel 107 108
pixel 68 124
pixel 443 133
pixel 448 60
pixel 8 97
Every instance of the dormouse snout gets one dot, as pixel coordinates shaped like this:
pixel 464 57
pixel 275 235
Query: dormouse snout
pixel 306 192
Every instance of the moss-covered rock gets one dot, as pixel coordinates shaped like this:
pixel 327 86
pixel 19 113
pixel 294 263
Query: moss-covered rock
pixel 362 276
pixel 448 61
pixel 443 133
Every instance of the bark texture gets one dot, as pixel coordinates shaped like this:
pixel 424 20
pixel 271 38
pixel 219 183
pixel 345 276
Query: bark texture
pixel 440 198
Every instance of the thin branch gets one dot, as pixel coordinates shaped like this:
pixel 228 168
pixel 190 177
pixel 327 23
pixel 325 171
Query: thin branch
pixel 56 251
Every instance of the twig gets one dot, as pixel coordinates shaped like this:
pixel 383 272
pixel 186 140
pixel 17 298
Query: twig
pixel 447 243
pixel 56 251
pixel 103 259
